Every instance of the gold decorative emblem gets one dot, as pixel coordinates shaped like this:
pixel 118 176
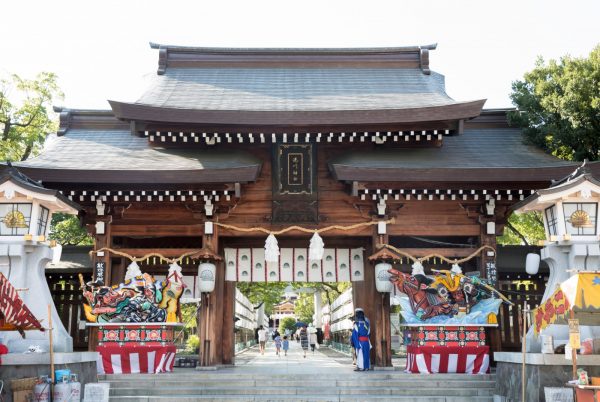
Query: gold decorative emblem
pixel 580 219
pixel 15 219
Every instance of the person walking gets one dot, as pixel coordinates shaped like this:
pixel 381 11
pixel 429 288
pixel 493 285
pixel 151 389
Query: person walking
pixel 304 340
pixel 262 339
pixel 312 338
pixel 277 341
pixel 360 340
pixel 285 344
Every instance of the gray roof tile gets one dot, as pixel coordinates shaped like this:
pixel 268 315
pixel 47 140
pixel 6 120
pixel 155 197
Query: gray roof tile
pixel 119 150
pixel 296 89
pixel 476 148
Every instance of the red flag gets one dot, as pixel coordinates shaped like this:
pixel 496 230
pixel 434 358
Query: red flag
pixel 14 314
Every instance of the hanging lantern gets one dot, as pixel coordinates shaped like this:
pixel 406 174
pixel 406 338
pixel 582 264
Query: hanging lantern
pixel 133 270
pixel 382 277
pixel 532 263
pixel 207 271
pixel 317 248
pixel 56 253
pixel 271 249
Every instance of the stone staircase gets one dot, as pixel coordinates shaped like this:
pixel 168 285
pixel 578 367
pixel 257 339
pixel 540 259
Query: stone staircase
pixel 189 385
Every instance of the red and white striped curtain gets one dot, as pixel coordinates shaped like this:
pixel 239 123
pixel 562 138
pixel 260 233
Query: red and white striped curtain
pixel 448 359
pixel 114 359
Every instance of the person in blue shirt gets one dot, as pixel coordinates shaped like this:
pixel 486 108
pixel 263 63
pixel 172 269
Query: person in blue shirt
pixel 285 344
pixel 277 340
pixel 360 340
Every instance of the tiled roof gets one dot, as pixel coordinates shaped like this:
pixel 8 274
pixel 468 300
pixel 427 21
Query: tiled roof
pixel 483 148
pixel 295 89
pixel 476 155
pixel 118 150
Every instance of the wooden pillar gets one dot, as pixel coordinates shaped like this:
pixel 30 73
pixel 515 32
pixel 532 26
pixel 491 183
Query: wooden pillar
pixel 488 269
pixel 102 240
pixel 117 270
pixel 228 336
pixel 217 343
pixel 377 310
pixel 102 265
pixel 384 351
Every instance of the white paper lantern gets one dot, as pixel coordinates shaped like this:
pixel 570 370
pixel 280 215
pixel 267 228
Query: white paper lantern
pixel 532 263
pixel 206 276
pixel 56 254
pixel 382 277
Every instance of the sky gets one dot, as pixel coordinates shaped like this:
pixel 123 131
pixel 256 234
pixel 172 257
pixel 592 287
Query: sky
pixel 100 51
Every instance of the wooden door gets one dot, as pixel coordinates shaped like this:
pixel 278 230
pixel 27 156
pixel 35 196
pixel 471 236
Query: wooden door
pixel 529 290
pixel 68 300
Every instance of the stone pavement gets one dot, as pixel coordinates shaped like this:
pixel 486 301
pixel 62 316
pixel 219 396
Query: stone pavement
pixel 251 360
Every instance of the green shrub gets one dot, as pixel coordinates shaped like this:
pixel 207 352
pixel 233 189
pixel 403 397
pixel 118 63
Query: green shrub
pixel 193 343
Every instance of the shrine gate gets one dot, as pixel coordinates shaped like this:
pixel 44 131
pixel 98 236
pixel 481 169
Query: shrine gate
pixel 229 145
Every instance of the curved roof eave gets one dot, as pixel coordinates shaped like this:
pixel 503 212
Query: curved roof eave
pixel 141 112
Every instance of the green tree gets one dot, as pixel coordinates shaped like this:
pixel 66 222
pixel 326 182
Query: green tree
pixel 305 305
pixel 558 106
pixel 25 114
pixel 66 230
pixel 287 323
pixel 262 292
pixel 304 308
pixel 523 229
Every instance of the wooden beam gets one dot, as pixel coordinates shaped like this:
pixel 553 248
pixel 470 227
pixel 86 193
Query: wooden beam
pixel 158 230
pixel 166 252
pixel 445 252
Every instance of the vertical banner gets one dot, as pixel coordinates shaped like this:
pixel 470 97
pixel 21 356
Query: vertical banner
pixel 490 273
pixel 99 271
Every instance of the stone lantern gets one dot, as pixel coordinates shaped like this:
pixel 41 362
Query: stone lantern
pixel 26 210
pixel 570 211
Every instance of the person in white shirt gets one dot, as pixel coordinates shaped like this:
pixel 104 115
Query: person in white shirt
pixel 262 339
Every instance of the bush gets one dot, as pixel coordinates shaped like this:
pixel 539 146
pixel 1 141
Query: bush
pixel 193 344
pixel 287 323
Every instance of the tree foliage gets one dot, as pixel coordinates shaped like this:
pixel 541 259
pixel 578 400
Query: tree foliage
pixel 271 294
pixel 261 292
pixel 305 305
pixel 66 230
pixel 559 106
pixel 304 309
pixel 523 229
pixel 287 323
pixel 25 114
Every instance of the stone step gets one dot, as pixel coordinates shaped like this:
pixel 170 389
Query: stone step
pixel 329 391
pixel 303 398
pixel 216 375
pixel 422 383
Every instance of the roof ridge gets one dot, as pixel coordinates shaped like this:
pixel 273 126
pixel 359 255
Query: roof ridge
pixel 299 50
pixel 190 56
pixel 70 118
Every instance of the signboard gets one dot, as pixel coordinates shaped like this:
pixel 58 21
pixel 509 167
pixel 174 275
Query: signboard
pixel 491 273
pixel 96 392
pixel 574 338
pixel 573 326
pixel 295 191
pixel 99 270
